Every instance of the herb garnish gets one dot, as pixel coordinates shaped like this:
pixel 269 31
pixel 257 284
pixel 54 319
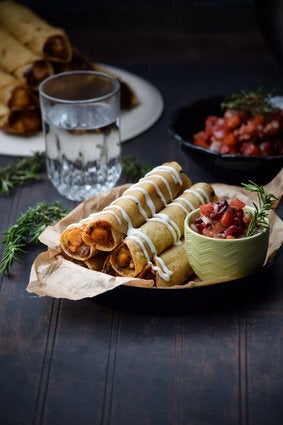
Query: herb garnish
pixel 24 170
pixel 266 202
pixel 253 102
pixel 133 170
pixel 27 229
pixel 30 169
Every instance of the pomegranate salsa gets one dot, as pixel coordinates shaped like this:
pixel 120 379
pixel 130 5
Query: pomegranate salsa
pixel 222 220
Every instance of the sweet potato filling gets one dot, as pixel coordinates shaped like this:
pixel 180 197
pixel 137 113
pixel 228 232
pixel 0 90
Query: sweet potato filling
pixel 76 244
pixel 123 257
pixel 99 234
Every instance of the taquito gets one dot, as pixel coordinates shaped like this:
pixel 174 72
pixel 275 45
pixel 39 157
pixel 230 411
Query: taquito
pixel 163 230
pixel 137 204
pixel 80 61
pixel 21 122
pixel 18 60
pixel 171 268
pixel 35 33
pixel 72 244
pixel 16 95
pixel 128 97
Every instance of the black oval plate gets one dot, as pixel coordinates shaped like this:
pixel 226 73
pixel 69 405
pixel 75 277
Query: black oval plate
pixel 190 119
pixel 181 301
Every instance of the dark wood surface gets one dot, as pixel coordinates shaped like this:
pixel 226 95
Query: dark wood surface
pixel 220 361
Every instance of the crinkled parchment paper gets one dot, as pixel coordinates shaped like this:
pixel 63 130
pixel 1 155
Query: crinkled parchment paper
pixel 54 276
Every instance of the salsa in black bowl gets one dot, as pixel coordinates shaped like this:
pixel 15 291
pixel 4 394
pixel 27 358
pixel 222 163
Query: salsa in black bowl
pixel 234 168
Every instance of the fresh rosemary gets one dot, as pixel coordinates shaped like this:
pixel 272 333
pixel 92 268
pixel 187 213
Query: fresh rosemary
pixel 26 231
pixel 266 202
pixel 253 102
pixel 19 172
pixel 133 170
pixel 29 169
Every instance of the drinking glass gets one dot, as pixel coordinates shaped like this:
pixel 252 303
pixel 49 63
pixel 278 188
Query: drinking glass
pixel 81 123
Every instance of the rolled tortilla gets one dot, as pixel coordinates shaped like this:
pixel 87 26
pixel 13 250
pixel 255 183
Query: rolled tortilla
pixel 128 97
pixel 21 122
pixel 16 95
pixel 163 230
pixel 18 60
pixel 80 61
pixel 72 244
pixel 35 33
pixel 170 268
pixel 137 204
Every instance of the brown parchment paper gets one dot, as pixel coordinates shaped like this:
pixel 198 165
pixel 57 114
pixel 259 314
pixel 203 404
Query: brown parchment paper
pixel 52 275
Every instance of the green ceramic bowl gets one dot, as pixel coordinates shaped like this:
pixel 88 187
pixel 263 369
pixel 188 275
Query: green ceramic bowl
pixel 212 258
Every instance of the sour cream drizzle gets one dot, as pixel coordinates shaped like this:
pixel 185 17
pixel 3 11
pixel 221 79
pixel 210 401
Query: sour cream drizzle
pixel 174 174
pixel 171 226
pixel 163 270
pixel 140 238
pixel 167 169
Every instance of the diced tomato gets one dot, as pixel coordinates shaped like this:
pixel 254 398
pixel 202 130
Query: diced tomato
pixel 201 139
pixel 258 120
pixel 232 121
pixel 225 149
pixel 237 203
pixel 227 218
pixel 206 209
pixel 250 149
pixel 210 124
pixel 230 139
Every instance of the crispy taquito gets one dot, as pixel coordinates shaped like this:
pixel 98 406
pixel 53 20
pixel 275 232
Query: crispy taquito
pixel 137 204
pixel 35 33
pixel 16 95
pixel 170 268
pixel 163 230
pixel 72 244
pixel 18 60
pixel 80 61
pixel 19 122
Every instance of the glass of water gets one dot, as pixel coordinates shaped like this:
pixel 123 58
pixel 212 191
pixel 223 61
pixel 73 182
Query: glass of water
pixel 81 122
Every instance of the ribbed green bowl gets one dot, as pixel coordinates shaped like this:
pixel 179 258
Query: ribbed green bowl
pixel 213 258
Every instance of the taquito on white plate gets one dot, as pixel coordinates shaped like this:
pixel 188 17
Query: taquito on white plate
pixel 18 60
pixel 35 33
pixel 20 122
pixel 16 95
pixel 163 230
pixel 138 204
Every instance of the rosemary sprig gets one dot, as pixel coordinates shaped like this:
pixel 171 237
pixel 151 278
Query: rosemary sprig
pixel 26 231
pixel 266 202
pixel 133 170
pixel 24 170
pixel 251 102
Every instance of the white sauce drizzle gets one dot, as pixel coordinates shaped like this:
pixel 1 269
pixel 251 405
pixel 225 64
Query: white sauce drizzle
pixel 149 202
pixel 165 181
pixel 197 195
pixel 138 202
pixel 139 237
pixel 156 187
pixel 167 169
pixel 123 212
pixel 163 271
pixel 170 224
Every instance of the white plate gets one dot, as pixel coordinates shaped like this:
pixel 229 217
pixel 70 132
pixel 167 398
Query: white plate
pixel 133 122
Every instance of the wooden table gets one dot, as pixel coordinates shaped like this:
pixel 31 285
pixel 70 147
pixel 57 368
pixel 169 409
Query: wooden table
pixel 218 362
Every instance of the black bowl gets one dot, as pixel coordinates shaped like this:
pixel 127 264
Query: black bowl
pixel 190 119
